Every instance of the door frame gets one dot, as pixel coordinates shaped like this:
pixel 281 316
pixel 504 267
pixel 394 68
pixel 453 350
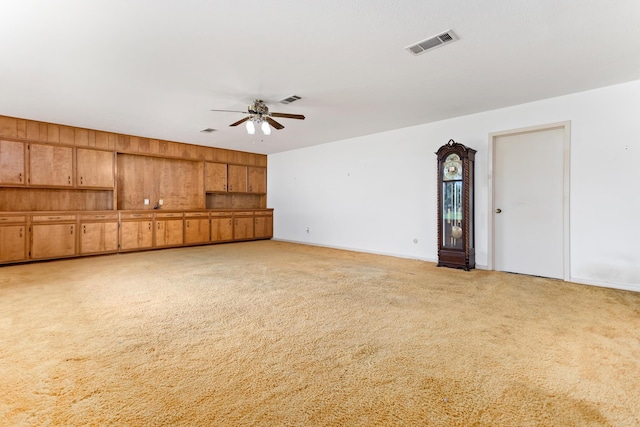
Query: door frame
pixel 566 250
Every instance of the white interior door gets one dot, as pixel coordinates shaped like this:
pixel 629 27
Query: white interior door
pixel 528 200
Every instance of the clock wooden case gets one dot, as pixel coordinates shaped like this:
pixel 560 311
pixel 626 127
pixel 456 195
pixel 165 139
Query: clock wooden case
pixel 456 241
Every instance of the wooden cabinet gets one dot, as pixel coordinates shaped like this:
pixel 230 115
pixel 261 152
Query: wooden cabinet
pixel 13 238
pixel 12 164
pixel 168 229
pixel 53 236
pixel 50 165
pixel 196 228
pixel 136 231
pixel 98 233
pixel 221 226
pixel 257 179
pixel 263 224
pixel 237 179
pixel 215 177
pixel 95 168
pixel 243 225
pixel 247 179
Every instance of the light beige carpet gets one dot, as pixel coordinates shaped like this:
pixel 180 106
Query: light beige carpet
pixel 277 334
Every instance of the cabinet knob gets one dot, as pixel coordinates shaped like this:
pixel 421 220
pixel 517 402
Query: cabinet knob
pixel 498 210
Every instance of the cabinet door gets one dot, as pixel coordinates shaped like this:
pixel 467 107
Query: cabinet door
pixel 243 228
pixel 215 177
pixel 12 163
pixel 136 235
pixel 169 232
pixel 263 227
pixel 13 243
pixel 95 168
pixel 97 237
pixel 257 179
pixel 221 229
pixel 53 240
pixel 196 230
pixel 237 180
pixel 50 165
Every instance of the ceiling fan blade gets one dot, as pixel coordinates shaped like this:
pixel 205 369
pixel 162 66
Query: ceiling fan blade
pixel 240 121
pixel 273 123
pixel 231 111
pixel 288 116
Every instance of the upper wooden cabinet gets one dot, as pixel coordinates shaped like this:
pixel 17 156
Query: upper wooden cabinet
pixel 247 179
pixel 215 176
pixel 95 168
pixel 257 179
pixel 237 179
pixel 12 155
pixel 50 165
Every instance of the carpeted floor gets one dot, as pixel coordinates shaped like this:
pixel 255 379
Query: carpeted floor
pixel 276 334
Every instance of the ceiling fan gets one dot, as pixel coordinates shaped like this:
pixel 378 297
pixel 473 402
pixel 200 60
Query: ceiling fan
pixel 258 113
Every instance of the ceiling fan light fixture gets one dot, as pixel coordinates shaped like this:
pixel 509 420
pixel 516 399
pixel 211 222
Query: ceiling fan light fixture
pixel 251 128
pixel 266 129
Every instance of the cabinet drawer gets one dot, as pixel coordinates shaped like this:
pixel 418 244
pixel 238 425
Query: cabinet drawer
pixel 7 219
pixel 53 217
pixel 249 213
pixel 196 214
pixel 221 214
pixel 136 215
pixel 168 214
pixel 99 217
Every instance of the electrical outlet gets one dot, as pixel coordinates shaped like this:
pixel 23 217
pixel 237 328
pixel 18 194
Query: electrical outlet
pixel 146 201
pixel 161 202
pixel 307 229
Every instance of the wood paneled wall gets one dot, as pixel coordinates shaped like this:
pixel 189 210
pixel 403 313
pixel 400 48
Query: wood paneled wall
pixel 23 129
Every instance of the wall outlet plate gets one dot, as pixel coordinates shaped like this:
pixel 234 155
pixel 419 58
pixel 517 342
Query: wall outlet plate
pixel 146 201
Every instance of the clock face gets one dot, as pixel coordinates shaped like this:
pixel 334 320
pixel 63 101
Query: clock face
pixel 452 168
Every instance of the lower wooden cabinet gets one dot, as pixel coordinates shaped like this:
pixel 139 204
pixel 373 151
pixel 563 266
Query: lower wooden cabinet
pixel 243 225
pixel 98 233
pixel 53 236
pixel 49 235
pixel 14 238
pixel 263 225
pixel 221 226
pixel 136 231
pixel 168 229
pixel 196 228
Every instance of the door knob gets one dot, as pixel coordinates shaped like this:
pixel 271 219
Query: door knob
pixel 498 210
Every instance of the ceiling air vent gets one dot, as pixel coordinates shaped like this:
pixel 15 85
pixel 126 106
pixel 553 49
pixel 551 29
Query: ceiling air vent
pixel 290 99
pixel 432 42
pixel 208 130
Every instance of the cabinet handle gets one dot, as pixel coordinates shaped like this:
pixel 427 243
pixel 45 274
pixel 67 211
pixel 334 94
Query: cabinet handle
pixel 69 180
pixel 20 231
pixel 225 187
pixel 20 176
pixel 158 225
pixel 149 226
pixel 81 181
pixel 71 229
pixel 54 217
pixel 187 223
pixel 84 229
pixel 250 188
pixel 230 187
pixel 230 222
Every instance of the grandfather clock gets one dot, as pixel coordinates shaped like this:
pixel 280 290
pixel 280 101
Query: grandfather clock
pixel 456 242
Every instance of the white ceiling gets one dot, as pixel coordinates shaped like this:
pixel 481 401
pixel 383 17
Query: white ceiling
pixel 156 68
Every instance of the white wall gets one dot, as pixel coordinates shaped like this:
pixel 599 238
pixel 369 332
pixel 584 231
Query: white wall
pixel 377 193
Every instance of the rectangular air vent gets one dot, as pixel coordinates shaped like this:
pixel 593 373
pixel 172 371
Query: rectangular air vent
pixel 290 99
pixel 432 42
pixel 208 130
